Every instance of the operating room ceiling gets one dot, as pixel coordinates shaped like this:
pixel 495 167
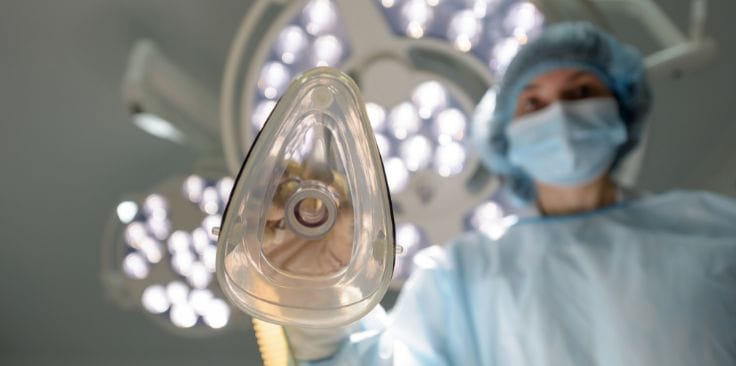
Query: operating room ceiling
pixel 68 154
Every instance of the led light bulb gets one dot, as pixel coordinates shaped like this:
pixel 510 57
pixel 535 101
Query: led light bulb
pixel 522 19
pixel 327 51
pixel 416 14
pixel 404 121
pixel 127 210
pixel 377 115
pixel 464 30
pixel 154 299
pixel 274 79
pixel 308 238
pixel 416 152
pixel 319 17
pixel 291 44
pixel 429 97
pixel 450 125
pixel 449 159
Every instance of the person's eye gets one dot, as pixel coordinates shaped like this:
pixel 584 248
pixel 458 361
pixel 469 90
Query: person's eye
pixel 530 105
pixel 582 91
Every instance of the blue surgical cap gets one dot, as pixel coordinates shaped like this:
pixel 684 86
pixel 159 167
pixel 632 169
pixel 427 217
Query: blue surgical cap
pixel 576 45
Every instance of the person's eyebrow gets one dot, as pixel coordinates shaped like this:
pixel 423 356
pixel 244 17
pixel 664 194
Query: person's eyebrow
pixel 577 74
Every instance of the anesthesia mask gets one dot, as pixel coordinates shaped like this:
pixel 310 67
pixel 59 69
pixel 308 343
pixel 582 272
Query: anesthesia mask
pixel 307 238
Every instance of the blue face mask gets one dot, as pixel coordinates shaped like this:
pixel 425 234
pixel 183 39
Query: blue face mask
pixel 567 143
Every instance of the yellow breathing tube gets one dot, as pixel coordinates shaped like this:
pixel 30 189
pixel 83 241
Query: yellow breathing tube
pixel 272 344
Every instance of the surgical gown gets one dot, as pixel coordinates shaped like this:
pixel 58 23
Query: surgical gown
pixel 647 282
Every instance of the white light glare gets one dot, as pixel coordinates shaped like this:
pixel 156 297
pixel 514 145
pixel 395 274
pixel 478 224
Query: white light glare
pixel 319 17
pixel 217 314
pixel 158 127
pixel 449 159
pixel 417 15
pixel 522 19
pixel 376 115
pixel 154 299
pixel 327 51
pixel 160 227
pixel 274 79
pixel 503 53
pixel 182 262
pixel 384 146
pixel 429 97
pixel 209 223
pixel 200 300
pixel 135 266
pixel 200 240
pixel 450 125
pixel 182 315
pixel 464 30
pixel 177 292
pixel 151 249
pixel 126 211
pixel 134 232
pixel 388 3
pixel 488 218
pixel 291 44
pixel 408 236
pixel 209 257
pixel 179 242
pixel 155 206
pixel 396 174
pixel 404 120
pixel 210 201
pixel 261 113
pixel 224 187
pixel 416 152
pixel 199 277
pixel 193 187
pixel 481 8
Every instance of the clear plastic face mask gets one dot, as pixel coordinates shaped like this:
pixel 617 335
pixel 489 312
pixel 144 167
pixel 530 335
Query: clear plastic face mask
pixel 307 238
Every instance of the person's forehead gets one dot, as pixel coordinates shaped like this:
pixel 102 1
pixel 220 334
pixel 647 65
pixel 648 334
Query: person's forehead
pixel 559 77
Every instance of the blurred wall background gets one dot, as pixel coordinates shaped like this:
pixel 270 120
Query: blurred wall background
pixel 68 153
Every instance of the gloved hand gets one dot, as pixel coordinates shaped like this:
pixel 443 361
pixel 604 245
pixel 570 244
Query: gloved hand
pixel 314 344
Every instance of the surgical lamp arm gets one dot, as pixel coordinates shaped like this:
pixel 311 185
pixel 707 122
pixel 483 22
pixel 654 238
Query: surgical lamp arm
pixel 678 53
pixel 168 103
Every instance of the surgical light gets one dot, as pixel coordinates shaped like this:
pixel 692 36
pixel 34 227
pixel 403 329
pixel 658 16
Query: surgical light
pixel 167 260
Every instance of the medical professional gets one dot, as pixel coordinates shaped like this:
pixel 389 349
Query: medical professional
pixel 594 274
